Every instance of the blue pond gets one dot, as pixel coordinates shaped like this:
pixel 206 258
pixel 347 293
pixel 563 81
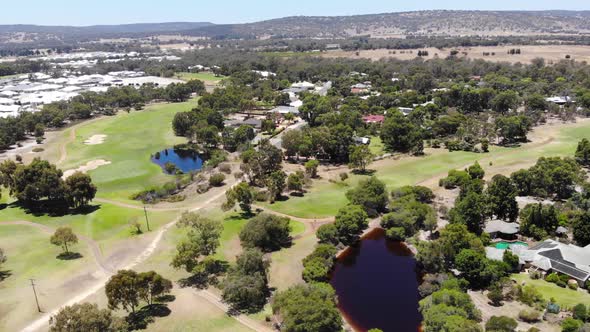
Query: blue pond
pixel 185 160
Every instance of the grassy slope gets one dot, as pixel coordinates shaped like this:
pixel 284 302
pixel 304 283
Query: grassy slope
pixel 565 297
pixel 325 198
pixel 30 255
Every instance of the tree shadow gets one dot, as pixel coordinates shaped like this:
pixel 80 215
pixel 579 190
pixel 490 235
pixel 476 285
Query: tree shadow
pixel 5 274
pixel 165 298
pixel 364 172
pixel 67 256
pixel 53 208
pixel 296 194
pixel 140 319
pixel 202 278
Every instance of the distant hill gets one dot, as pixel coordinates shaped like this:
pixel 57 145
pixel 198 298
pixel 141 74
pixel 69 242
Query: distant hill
pixel 22 33
pixel 432 23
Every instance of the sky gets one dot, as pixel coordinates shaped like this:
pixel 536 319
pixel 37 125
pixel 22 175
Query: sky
pixel 91 12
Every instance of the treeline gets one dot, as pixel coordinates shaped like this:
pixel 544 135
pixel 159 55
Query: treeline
pixel 22 67
pixel 89 104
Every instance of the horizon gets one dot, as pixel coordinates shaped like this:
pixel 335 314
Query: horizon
pixel 77 14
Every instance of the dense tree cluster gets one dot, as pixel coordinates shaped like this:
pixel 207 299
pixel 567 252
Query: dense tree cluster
pixel 86 317
pixel 410 212
pixel 266 232
pixel 549 177
pixel 39 181
pixel 127 289
pixel 245 287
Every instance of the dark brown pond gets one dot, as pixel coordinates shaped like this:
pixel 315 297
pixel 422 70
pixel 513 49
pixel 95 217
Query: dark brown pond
pixel 377 285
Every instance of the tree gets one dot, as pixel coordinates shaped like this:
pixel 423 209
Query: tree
pixel 580 312
pixel 311 168
pixel 318 264
pixel 475 171
pixel 538 220
pixel 246 286
pixel 267 232
pixel 275 183
pixel 495 295
pixel 571 325
pixel 122 291
pixel 38 180
pixel 501 198
pixel 501 324
pixel 583 152
pixel 243 194
pixel 513 129
pixel 202 240
pixel 581 225
pixel 504 101
pixel 351 221
pixel 308 307
pixel 80 189
pixel 62 237
pixel 399 134
pixel 260 163
pixel 371 194
pixel 328 234
pixel 360 157
pixel 470 211
pixel 86 317
pixel 295 181
pixel 152 285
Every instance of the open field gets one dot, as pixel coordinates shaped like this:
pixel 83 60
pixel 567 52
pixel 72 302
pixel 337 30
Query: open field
pixel 551 53
pixel 565 297
pixel 205 77
pixel 326 195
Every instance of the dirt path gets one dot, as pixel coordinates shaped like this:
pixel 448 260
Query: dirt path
pixel 63 151
pixel 42 321
pixel 92 245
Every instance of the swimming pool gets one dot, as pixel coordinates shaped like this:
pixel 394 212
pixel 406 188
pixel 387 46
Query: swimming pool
pixel 505 244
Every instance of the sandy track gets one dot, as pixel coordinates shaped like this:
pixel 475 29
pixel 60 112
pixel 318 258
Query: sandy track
pixel 95 140
pixel 89 166
pixel 43 321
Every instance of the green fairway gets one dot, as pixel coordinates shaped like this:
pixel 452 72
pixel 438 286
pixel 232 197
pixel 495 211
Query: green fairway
pixel 325 198
pixel 205 77
pixel 130 140
pixel 565 297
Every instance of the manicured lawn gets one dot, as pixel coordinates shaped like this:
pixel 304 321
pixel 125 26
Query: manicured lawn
pixel 205 77
pixel 30 255
pixel 108 222
pixel 130 141
pixel 565 297
pixel 325 198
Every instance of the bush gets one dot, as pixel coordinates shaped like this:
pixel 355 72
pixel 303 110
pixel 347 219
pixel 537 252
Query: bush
pixel 529 315
pixel 216 180
pixel 572 285
pixel 225 168
pixel 580 312
pixel 328 234
pixel 343 176
pixel 38 149
pixel 261 196
pixel 501 324
pixel 553 277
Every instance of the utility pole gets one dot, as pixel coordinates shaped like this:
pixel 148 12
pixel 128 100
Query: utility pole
pixel 146 218
pixel 35 292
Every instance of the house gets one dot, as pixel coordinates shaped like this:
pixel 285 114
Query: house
pixel 362 140
pixel 374 118
pixel 560 100
pixel 235 123
pixel 360 88
pixel 552 256
pixel 405 110
pixel 284 110
pixel 332 47
pixel 502 229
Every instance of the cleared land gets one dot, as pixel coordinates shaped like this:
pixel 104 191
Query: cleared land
pixel 551 53
pixel 327 194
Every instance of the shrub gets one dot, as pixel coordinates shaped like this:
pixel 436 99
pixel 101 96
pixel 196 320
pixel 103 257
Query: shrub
pixel 343 176
pixel 261 196
pixel 529 315
pixel 572 285
pixel 580 312
pixel 38 149
pixel 553 277
pixel 225 168
pixel 216 180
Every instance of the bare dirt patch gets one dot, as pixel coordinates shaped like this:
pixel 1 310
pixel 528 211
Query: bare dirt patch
pixel 89 166
pixel 551 53
pixel 95 140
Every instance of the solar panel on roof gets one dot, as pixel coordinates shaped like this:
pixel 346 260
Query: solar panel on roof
pixel 569 270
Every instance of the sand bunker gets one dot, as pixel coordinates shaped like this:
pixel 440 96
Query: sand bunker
pixel 91 165
pixel 95 140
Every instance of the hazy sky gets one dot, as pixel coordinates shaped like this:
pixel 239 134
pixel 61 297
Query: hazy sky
pixel 90 12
